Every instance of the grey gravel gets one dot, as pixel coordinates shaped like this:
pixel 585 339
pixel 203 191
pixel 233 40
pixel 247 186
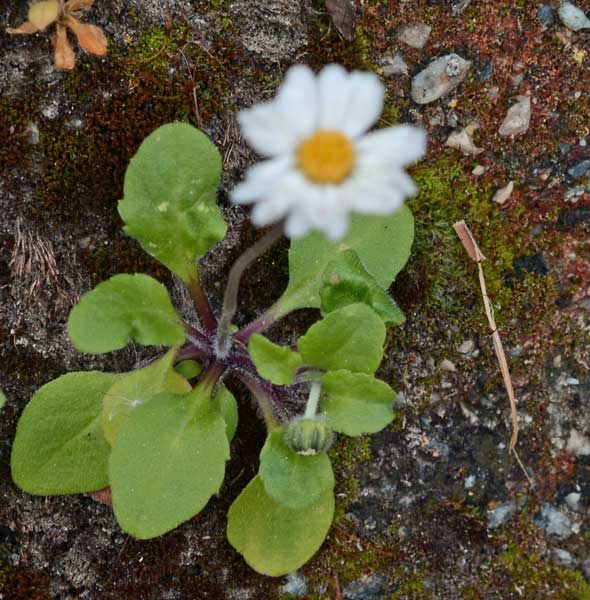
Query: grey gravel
pixel 368 587
pixel 578 171
pixel 553 521
pixel 439 78
pixel 545 14
pixel 573 17
pixel 415 36
pixel 517 118
pixel 296 585
pixel 394 65
pixel 500 514
pixel 562 558
pixel 574 194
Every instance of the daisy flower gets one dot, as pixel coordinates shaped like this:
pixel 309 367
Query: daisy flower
pixel 322 165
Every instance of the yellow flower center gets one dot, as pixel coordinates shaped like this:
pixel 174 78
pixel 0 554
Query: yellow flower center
pixel 326 156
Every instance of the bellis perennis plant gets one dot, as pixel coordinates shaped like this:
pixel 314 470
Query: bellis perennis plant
pixel 160 436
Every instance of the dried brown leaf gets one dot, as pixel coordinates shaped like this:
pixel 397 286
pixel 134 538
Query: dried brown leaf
pixel 104 496
pixel 343 16
pixel 74 5
pixel 64 57
pixel 26 28
pixel 43 14
pixel 90 37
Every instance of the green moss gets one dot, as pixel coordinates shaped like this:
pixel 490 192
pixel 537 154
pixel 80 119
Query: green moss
pixel 520 574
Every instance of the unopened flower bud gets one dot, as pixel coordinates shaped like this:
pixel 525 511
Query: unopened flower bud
pixel 309 436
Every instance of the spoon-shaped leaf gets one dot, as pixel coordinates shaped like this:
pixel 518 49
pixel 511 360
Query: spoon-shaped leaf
pixel 167 461
pixel 59 446
pixel 273 539
pixel 122 308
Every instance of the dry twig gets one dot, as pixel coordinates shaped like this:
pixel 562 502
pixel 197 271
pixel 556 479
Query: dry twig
pixel 476 255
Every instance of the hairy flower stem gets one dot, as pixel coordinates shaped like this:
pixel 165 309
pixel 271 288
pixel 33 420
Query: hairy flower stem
pixel 204 312
pixel 313 400
pixel 260 324
pixel 230 299
pixel 211 376
pixel 264 404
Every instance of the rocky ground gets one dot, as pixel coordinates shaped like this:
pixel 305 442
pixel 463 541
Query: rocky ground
pixel 434 507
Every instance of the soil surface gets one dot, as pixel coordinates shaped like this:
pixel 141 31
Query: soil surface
pixel 434 507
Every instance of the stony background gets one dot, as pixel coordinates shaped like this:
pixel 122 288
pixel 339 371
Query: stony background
pixel 434 507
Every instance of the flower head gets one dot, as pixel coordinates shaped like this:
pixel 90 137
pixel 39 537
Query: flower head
pixel 322 165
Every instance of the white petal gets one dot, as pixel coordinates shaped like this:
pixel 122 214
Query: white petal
pixel 333 96
pixel 337 226
pixel 277 127
pixel 261 179
pixel 400 145
pixel 297 99
pixel 365 103
pixel 267 131
pixel 296 226
pixel 270 210
pixel 375 199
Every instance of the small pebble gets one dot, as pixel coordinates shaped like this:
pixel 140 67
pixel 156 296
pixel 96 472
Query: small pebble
pixel 296 585
pixel 562 558
pixel 545 14
pixel 462 140
pixel 368 587
pixel 439 78
pixel 478 170
pixel 573 17
pixel 32 131
pixel 518 117
pixel 469 482
pixel 578 444
pixel 415 36
pixel 564 148
pixel 574 194
pixel 500 514
pixel 582 142
pixel 447 365
pixel 578 171
pixel 553 521
pixel 467 347
pixel 573 500
pixel 394 65
pixel 503 194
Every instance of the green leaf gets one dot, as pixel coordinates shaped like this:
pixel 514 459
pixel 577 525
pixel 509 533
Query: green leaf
pixel 2 399
pixel 273 362
pixel 225 404
pixel 382 243
pixel 349 338
pixel 122 308
pixel 59 446
pixel 273 539
pixel 355 403
pixel 188 368
pixel 291 479
pixel 346 281
pixel 135 388
pixel 167 461
pixel 169 204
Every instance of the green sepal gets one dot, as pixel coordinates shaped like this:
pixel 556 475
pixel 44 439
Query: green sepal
pixel 122 308
pixel 273 362
pixel 135 388
pixel 346 281
pixel 291 479
pixel 356 403
pixel 169 197
pixel 273 539
pixel 349 338
pixel 167 461
pixel 59 446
